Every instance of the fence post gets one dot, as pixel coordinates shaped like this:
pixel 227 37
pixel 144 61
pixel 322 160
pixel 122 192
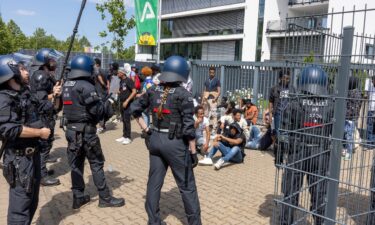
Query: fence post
pixel 255 86
pixel 194 77
pixel 341 89
pixel 222 81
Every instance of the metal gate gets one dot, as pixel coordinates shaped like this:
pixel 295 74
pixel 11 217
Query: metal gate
pixel 325 153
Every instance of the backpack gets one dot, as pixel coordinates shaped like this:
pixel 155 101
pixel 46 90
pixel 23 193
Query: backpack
pixel 137 82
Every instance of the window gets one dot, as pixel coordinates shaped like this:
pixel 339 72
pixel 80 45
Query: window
pixel 238 51
pixel 370 51
pixel 145 49
pixel 166 28
pixel 186 50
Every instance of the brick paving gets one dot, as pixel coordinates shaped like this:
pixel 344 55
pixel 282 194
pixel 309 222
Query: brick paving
pixel 236 194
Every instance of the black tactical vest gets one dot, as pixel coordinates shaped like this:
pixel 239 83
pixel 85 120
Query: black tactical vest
pixel 171 109
pixel 74 111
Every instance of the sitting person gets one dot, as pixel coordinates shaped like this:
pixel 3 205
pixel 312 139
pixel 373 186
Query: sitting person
pixel 237 117
pixel 258 140
pixel 201 124
pixel 251 113
pixel 227 118
pixel 230 144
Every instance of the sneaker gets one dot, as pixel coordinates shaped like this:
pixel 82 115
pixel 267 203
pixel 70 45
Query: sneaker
pixel 121 139
pixel 219 163
pixel 343 153
pixel 347 157
pixel 126 141
pixel 99 130
pixel 206 161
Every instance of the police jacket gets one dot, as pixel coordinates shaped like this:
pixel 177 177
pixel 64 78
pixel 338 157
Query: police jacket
pixel 82 103
pixel 177 112
pixel 42 84
pixel 308 118
pixel 11 122
pixel 33 109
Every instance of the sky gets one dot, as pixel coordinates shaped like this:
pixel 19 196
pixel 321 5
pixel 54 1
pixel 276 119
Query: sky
pixel 58 18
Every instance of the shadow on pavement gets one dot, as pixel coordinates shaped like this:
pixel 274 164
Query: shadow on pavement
pixel 60 206
pixel 61 167
pixel 171 204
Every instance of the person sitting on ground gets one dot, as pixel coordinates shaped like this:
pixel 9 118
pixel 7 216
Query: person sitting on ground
pixel 201 125
pixel 237 117
pixel 227 118
pixel 251 113
pixel 230 144
pixel 259 141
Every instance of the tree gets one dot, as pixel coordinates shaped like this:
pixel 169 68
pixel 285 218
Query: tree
pixel 84 42
pixel 5 39
pixel 18 38
pixel 128 54
pixel 118 25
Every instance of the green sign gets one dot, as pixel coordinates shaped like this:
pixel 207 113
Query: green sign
pixel 146 15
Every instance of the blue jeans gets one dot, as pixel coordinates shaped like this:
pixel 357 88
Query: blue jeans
pixel 349 135
pixel 370 127
pixel 276 123
pixel 228 154
pixel 146 118
pixel 255 136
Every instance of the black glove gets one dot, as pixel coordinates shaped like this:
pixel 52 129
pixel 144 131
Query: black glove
pixel 194 160
pixel 278 155
pixel 147 135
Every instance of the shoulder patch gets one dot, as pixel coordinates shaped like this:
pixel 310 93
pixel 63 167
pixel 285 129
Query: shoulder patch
pixel 161 89
pixel 70 83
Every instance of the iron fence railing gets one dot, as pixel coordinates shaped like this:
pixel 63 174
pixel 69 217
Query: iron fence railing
pixel 306 2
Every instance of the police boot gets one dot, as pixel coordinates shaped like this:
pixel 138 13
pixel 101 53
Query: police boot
pixel 79 202
pixel 49 181
pixel 111 202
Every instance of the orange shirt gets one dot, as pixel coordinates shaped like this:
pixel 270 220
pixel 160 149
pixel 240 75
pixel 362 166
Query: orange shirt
pixel 252 114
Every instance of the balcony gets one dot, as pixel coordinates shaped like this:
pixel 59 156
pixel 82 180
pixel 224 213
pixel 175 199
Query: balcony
pixel 176 6
pixel 306 2
pixel 303 23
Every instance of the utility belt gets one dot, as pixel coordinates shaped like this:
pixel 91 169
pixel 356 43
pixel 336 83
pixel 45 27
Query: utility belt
pixel 28 151
pixel 174 130
pixel 82 127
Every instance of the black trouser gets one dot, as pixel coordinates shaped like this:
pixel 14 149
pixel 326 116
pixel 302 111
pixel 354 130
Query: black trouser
pixel 22 202
pixel 303 159
pixel 83 145
pixel 174 153
pixel 45 149
pixel 371 217
pixel 126 120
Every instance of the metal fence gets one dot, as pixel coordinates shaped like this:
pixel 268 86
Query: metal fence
pixel 325 151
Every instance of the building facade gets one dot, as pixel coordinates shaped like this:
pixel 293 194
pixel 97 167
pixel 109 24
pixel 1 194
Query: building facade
pixel 250 30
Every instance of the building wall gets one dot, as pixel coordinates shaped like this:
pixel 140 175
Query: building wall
pixel 250 30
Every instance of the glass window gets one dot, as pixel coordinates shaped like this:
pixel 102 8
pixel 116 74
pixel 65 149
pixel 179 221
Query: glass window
pixel 165 51
pixel 238 51
pixel 166 28
pixel 144 49
pixel 370 51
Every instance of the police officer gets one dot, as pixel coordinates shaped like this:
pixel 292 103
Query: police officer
pixel 21 163
pixel 169 139
pixel 83 109
pixel 44 86
pixel 306 153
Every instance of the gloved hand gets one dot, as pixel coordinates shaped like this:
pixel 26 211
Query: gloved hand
pixel 194 160
pixel 147 135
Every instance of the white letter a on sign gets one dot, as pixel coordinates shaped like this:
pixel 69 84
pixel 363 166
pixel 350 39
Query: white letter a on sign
pixel 148 13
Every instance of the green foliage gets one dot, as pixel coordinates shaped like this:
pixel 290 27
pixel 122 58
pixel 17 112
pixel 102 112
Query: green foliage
pixel 310 58
pixel 118 24
pixel 12 39
pixel 362 75
pixel 128 54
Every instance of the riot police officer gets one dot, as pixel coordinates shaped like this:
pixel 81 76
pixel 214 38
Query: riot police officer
pixel 305 152
pixel 169 139
pixel 21 163
pixel 44 86
pixel 83 109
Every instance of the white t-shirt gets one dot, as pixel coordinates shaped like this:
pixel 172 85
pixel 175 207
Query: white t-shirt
pixel 156 79
pixel 201 128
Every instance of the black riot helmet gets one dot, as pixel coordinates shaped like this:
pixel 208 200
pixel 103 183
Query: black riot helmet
pixel 47 57
pixel 9 69
pixel 313 80
pixel 176 69
pixel 81 66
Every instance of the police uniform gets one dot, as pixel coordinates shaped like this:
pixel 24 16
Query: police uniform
pixel 21 162
pixel 83 109
pixel 305 154
pixel 42 83
pixel 167 144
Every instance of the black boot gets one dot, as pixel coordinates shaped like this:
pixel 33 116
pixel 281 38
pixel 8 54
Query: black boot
pixel 79 202
pixel 49 181
pixel 111 202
